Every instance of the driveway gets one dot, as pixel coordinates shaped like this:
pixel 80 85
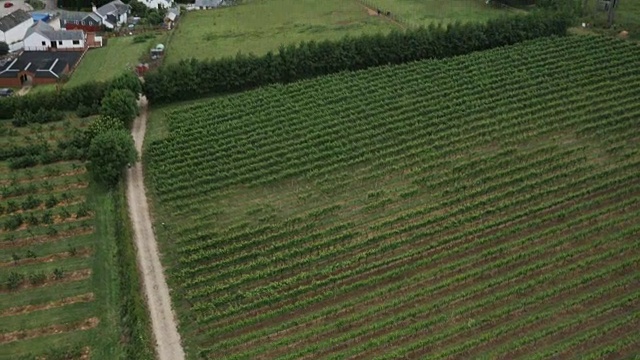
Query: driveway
pixel 17 4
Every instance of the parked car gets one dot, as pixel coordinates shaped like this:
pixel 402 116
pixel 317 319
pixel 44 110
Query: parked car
pixel 8 4
pixel 6 92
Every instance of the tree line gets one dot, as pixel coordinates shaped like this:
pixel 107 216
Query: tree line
pixel 190 79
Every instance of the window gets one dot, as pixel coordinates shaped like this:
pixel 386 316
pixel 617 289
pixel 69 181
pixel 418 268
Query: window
pixel 82 22
pixel 77 22
pixel 44 43
pixel 59 42
pixel 76 42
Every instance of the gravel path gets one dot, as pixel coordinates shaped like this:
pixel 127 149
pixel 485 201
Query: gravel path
pixel 168 344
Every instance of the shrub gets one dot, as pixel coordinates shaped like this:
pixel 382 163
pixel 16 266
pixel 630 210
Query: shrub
pixel 120 105
pixel 13 222
pixel 14 280
pixel 37 278
pixel 51 201
pixel 109 154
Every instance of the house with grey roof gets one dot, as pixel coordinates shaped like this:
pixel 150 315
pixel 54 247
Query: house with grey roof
pixel 43 37
pixel 207 4
pixel 14 26
pixel 78 20
pixel 113 14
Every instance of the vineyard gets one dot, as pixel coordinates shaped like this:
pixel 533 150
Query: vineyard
pixel 483 206
pixel 58 297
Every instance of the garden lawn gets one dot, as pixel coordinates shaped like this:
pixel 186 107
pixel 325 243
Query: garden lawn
pixel 119 55
pixel 263 25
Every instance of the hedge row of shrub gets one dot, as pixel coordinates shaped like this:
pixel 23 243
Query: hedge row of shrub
pixel 85 98
pixel 191 79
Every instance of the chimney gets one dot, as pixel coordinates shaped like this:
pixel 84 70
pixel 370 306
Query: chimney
pixel 94 8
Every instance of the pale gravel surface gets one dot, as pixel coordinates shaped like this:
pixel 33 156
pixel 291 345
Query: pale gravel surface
pixel 163 320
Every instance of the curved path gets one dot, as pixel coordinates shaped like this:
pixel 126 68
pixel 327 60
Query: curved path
pixel 165 331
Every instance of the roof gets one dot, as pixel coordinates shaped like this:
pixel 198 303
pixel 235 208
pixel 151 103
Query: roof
pixel 42 64
pixel 174 10
pixel 79 16
pixel 171 16
pixel 209 3
pixel 116 7
pixel 50 33
pixel 14 19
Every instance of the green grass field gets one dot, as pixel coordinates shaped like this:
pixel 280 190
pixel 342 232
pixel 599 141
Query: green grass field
pixel 441 209
pixel 425 12
pixel 59 282
pixel 263 25
pixel 120 54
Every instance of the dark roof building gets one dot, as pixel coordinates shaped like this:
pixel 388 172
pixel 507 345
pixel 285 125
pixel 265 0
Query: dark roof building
pixel 40 67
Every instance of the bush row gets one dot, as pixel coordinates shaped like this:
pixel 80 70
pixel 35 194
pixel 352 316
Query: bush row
pixel 191 79
pixel 85 98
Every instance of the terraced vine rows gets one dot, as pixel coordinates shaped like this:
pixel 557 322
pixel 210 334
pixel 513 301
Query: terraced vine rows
pixel 485 205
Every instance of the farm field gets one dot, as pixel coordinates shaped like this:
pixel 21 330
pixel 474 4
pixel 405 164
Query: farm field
pixel 434 11
pixel 436 209
pixel 59 288
pixel 121 54
pixel 261 26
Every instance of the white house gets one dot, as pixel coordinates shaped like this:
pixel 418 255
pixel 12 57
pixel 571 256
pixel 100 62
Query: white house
pixel 14 26
pixel 157 4
pixel 43 37
pixel 113 14
pixel 206 4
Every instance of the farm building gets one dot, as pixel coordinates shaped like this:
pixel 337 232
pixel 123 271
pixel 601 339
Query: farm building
pixel 14 26
pixel 76 20
pixel 38 67
pixel 43 37
pixel 171 16
pixel 113 14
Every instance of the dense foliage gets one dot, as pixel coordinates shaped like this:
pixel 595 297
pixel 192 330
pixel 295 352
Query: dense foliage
pixel 120 104
pixel 192 79
pixel 109 154
pixel 88 96
pixel 482 206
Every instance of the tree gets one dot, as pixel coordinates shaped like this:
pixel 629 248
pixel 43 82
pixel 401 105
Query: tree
pixel 102 125
pixel 120 104
pixel 128 81
pixel 4 48
pixel 110 152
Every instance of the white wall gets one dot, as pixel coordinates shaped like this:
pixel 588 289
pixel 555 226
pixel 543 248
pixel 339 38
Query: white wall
pixel 34 43
pixel 153 4
pixel 18 46
pixel 17 33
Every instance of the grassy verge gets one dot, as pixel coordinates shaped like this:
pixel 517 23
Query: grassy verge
pixel 135 322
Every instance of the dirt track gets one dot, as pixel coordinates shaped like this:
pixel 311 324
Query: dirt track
pixel 168 344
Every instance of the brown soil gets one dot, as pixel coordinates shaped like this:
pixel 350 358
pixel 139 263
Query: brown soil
pixel 20 310
pixel 44 238
pixel 84 252
pixel 51 280
pixel 49 330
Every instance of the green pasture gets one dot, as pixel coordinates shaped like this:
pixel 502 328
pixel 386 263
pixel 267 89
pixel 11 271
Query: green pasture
pixel 263 25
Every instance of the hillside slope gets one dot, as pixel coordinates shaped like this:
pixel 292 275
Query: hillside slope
pixel 484 205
